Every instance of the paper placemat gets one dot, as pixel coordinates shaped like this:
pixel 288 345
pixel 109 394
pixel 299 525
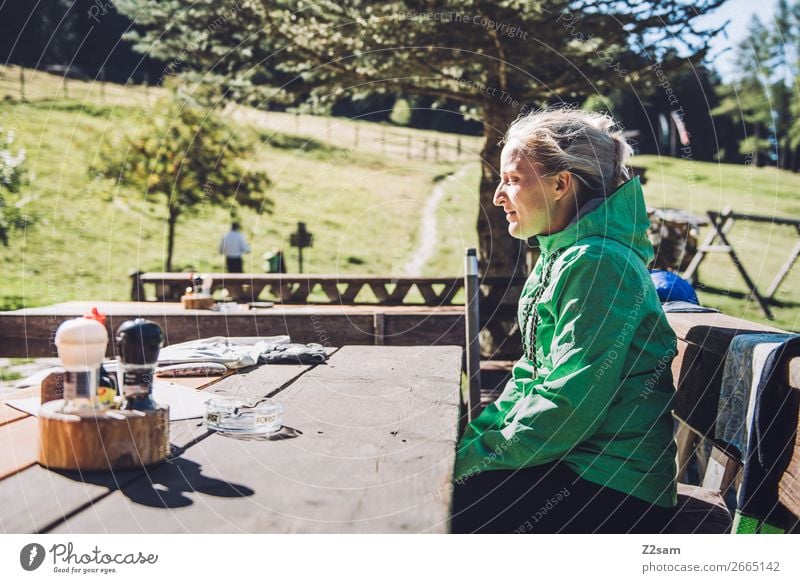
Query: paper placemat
pixel 184 403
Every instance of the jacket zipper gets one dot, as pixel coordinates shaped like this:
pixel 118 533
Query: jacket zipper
pixel 533 319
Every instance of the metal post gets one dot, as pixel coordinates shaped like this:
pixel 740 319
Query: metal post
pixel 472 316
pixel 102 85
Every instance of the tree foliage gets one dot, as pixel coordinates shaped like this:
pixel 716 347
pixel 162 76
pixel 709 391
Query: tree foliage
pixel 187 156
pixel 12 172
pixel 493 59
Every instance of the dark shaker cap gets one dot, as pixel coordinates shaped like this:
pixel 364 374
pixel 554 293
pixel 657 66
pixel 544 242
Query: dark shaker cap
pixel 139 341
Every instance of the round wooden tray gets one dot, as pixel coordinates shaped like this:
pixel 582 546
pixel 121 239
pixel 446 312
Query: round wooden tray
pixel 103 440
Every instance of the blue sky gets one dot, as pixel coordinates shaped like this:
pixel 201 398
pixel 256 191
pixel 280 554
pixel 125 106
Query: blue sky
pixel 740 13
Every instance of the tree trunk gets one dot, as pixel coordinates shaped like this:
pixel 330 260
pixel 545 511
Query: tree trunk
pixel 756 145
pixel 499 254
pixel 172 220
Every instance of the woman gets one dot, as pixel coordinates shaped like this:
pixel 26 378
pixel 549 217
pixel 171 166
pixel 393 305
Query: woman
pixel 580 440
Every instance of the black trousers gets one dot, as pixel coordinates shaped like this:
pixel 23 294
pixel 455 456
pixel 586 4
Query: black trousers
pixel 549 498
pixel 234 264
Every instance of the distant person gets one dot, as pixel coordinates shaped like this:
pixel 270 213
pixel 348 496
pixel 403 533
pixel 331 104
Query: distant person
pixel 233 246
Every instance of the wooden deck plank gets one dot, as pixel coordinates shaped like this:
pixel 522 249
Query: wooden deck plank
pixel 18 446
pixel 9 413
pixel 376 454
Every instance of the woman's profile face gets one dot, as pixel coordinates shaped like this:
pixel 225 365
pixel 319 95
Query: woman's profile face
pixel 527 197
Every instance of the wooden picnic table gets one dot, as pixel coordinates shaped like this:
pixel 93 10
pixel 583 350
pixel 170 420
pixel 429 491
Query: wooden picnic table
pixel 376 431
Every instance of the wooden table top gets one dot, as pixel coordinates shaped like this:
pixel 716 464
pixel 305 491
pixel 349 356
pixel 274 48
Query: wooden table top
pixel 377 431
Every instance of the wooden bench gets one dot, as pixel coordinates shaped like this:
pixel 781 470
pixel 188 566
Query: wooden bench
pixel 703 340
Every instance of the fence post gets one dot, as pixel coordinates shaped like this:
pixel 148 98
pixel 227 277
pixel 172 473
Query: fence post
pixel 436 150
pixel 458 148
pixel 22 84
pixel 355 145
pixel 408 147
pixel 102 85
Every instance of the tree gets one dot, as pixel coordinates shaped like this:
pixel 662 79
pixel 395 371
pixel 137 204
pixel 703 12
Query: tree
pixel 187 155
pixel 747 99
pixel 12 172
pixel 494 59
pixel 495 56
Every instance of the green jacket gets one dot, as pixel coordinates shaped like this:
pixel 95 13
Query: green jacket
pixel 598 394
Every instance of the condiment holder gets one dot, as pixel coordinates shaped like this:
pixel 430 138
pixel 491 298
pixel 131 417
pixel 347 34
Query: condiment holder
pixel 82 431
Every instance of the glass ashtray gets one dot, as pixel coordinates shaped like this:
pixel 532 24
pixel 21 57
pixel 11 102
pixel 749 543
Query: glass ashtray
pixel 243 416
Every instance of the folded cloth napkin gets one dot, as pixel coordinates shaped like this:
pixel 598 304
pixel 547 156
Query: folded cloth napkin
pixel 311 353
pixel 234 353
pixel 758 415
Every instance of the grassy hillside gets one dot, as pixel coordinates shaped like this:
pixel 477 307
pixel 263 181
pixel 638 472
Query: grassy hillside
pixel 352 183
pixel 362 207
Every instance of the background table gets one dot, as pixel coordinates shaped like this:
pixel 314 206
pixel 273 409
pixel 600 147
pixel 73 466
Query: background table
pixel 375 454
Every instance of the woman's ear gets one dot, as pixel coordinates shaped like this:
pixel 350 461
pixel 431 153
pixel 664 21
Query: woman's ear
pixel 565 185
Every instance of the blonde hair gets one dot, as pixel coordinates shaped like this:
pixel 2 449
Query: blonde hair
pixel 589 145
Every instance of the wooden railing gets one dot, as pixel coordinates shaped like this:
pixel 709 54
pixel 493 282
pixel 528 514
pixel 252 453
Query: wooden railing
pixel 335 289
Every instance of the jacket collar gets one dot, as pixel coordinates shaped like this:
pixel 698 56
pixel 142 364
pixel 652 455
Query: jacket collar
pixel 621 216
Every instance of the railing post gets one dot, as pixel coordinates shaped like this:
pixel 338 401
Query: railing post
pixel 137 288
pixel 473 346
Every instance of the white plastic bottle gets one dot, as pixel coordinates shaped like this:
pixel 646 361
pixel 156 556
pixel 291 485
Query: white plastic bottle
pixel 81 345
